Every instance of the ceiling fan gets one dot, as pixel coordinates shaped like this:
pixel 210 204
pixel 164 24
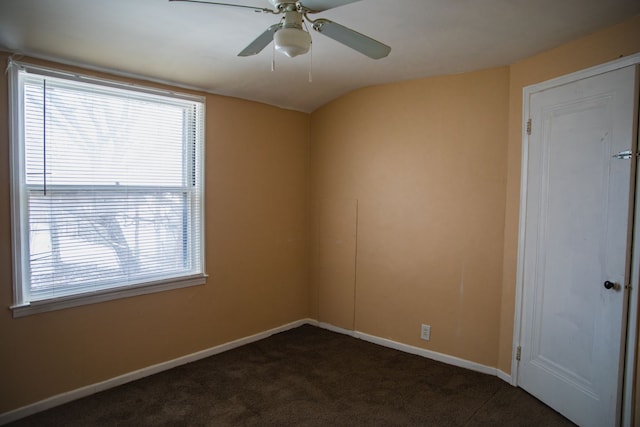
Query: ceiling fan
pixel 289 35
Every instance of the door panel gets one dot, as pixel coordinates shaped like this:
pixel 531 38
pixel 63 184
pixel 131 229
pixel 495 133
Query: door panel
pixel 576 238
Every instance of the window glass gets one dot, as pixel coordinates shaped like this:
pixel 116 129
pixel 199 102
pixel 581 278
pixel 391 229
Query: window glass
pixel 107 185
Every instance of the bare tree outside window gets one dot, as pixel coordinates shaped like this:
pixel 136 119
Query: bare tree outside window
pixel 108 186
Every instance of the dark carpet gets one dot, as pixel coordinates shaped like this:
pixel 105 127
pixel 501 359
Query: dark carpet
pixel 308 377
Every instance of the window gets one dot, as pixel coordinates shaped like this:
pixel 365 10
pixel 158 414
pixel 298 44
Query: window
pixel 107 189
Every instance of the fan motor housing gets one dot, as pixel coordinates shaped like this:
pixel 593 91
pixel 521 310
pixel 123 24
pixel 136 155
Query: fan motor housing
pixel 283 4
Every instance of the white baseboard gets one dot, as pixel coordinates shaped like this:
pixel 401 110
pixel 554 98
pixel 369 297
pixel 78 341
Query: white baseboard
pixel 332 328
pixel 440 357
pixel 81 392
pixel 434 355
pixel 505 377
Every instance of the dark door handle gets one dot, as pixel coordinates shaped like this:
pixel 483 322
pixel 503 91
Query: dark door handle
pixel 609 285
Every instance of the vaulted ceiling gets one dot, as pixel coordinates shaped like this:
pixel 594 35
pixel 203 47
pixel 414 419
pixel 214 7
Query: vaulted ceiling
pixel 196 45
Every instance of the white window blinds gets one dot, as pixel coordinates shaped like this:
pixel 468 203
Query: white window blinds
pixel 107 185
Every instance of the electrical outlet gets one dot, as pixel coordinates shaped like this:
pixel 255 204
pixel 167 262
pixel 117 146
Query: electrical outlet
pixel 425 332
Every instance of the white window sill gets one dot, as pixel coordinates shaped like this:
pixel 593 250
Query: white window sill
pixel 105 295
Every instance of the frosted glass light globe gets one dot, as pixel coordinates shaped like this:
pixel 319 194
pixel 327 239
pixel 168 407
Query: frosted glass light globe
pixel 292 41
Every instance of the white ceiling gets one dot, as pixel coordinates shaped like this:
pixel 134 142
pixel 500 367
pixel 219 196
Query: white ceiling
pixel 196 45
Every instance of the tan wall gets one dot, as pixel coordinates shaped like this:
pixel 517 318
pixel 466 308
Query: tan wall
pixel 612 43
pixel 409 204
pixel 408 187
pixel 414 202
pixel 256 243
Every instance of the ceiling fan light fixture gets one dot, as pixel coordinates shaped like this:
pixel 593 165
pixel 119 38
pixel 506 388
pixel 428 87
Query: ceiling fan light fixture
pixel 292 41
pixel 290 35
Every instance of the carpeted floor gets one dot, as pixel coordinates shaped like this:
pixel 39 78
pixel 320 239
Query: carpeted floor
pixel 308 377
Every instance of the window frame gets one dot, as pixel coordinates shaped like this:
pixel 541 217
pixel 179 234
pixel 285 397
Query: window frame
pixel 22 306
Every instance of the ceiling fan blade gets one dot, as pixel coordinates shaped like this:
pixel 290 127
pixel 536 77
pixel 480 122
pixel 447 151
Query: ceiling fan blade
pixel 322 5
pixel 261 42
pixel 254 8
pixel 353 39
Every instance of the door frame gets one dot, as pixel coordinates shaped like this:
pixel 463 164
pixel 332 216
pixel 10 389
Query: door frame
pixel 632 302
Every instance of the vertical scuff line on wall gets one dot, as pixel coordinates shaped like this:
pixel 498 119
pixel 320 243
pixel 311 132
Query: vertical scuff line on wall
pixel 316 257
pixel 461 297
pixel 355 268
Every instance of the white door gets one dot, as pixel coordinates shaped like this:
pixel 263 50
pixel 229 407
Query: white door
pixel 576 245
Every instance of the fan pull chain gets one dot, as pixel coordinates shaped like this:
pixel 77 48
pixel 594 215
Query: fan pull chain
pixel 310 51
pixel 273 58
pixel 311 62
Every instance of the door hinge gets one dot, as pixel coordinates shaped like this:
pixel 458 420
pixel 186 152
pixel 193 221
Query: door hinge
pixel 623 155
pixel 518 353
pixel 529 127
